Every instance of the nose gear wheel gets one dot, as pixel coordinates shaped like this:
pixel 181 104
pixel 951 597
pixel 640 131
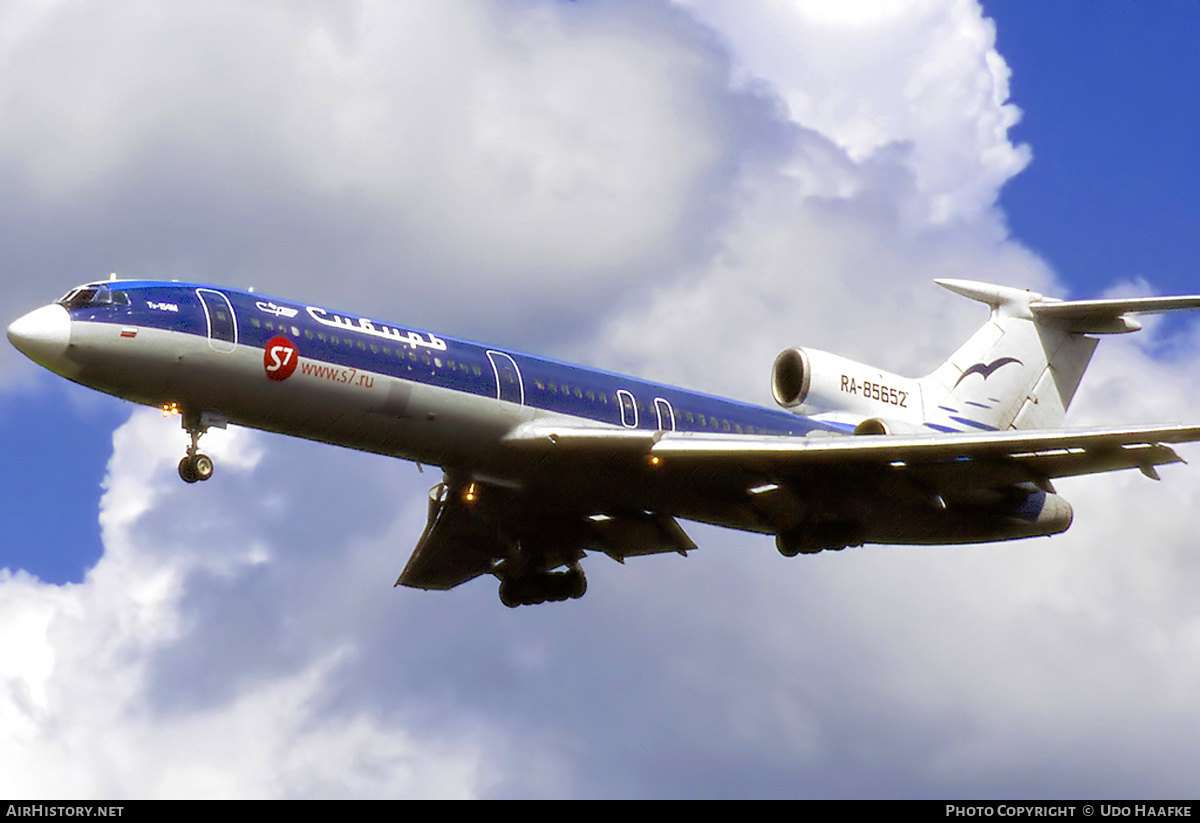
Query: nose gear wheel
pixel 196 467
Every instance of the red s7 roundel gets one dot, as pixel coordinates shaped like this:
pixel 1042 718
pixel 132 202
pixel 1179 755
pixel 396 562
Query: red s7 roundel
pixel 280 358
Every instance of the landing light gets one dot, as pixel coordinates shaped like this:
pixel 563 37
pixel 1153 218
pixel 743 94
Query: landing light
pixel 170 409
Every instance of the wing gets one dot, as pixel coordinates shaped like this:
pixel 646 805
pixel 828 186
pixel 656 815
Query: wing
pixel 984 457
pixel 580 488
pixel 991 457
pixel 847 490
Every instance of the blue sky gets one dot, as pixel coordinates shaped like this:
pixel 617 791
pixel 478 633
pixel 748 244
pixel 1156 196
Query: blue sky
pixel 674 189
pixel 1107 90
pixel 56 445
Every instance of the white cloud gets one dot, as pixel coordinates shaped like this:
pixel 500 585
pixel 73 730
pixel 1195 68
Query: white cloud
pixel 84 715
pixel 918 79
pixel 493 147
pixel 241 638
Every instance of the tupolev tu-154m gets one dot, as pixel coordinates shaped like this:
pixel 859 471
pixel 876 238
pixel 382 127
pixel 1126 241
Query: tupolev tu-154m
pixel 544 461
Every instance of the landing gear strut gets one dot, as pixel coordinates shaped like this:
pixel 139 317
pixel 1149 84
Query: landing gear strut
pixel 197 466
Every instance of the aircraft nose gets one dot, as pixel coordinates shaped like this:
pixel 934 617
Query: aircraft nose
pixel 43 335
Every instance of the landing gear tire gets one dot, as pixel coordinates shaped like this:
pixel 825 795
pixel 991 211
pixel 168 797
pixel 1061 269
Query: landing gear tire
pixel 790 544
pixel 508 596
pixel 539 587
pixel 202 464
pixel 196 468
pixel 187 472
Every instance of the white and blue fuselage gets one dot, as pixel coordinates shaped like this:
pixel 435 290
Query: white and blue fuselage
pixel 359 382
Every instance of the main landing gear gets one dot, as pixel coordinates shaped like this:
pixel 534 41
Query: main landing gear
pixel 539 587
pixel 197 466
pixel 819 536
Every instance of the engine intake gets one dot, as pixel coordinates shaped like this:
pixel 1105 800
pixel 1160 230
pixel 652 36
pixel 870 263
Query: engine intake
pixel 810 380
pixel 881 425
pixel 790 378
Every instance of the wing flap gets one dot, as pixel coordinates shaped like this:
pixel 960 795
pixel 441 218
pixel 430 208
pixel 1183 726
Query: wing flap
pixel 454 547
pixel 1035 466
pixel 636 535
pixel 474 528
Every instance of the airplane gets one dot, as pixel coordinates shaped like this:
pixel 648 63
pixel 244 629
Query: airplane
pixel 544 461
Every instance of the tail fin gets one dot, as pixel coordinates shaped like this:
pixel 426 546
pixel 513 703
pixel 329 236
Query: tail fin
pixel 1021 369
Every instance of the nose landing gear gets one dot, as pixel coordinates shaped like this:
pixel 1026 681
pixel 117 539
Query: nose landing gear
pixel 197 466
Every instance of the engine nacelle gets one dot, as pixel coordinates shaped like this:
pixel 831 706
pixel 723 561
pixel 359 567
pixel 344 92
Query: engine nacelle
pixel 810 380
pixel 1021 510
pixel 881 425
pixel 1007 513
pixel 1044 513
pixel 982 515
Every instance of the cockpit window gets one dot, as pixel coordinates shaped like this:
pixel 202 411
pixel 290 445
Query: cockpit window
pixel 93 296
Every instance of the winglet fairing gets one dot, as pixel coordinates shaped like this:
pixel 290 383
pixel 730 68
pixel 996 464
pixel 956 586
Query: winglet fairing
pixel 545 461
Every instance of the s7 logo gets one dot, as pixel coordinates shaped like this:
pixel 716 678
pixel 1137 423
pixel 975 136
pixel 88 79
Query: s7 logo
pixel 279 358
